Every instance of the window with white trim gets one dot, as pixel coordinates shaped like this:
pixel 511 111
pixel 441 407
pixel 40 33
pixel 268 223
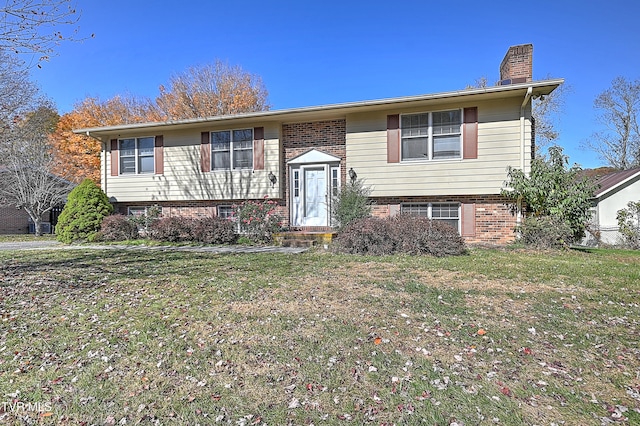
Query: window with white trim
pixel 136 155
pixel 335 181
pixel 232 149
pixel 431 135
pixel 136 211
pixel 445 212
pixel 225 212
pixel 296 183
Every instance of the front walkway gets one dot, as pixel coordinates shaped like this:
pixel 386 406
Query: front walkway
pixel 55 245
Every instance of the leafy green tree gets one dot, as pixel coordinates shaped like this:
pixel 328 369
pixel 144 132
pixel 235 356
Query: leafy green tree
pixel 82 216
pixel 629 224
pixel 554 190
pixel 351 203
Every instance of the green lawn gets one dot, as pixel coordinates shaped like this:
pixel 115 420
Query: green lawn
pixel 503 337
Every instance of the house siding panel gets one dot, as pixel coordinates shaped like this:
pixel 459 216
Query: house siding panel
pixel 184 180
pixel 498 148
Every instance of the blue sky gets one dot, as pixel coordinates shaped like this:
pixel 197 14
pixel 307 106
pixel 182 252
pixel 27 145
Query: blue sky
pixel 325 52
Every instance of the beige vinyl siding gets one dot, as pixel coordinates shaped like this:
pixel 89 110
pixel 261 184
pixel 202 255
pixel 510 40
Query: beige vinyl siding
pixel 183 179
pixel 498 148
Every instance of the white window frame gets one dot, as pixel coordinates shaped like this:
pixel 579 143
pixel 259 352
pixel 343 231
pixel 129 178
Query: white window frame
pixel 428 208
pixel 430 137
pixel 136 210
pixel 232 150
pixel 221 207
pixel 335 181
pixel 137 156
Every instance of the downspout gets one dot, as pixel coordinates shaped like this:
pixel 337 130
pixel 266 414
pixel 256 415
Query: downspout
pixel 527 98
pixel 103 148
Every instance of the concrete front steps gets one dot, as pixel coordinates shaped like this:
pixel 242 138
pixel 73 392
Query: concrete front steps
pixel 304 238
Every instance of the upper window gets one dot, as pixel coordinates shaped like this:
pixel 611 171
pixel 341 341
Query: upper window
pixel 431 135
pixel 136 155
pixel 232 149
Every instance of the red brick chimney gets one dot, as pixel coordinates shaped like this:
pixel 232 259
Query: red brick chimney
pixel 517 65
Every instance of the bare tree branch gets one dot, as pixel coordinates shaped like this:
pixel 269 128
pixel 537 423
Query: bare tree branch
pixel 34 26
pixel 619 107
pixel 26 160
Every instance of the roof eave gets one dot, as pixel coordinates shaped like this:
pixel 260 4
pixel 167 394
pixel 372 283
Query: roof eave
pixel 613 188
pixel 543 87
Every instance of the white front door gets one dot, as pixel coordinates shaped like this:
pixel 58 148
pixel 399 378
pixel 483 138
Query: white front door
pixel 310 195
pixel 315 196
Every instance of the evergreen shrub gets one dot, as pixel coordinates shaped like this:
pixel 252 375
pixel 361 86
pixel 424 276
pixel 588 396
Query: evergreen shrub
pixel 87 205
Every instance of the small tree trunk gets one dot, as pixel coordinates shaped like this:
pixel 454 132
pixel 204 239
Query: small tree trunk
pixel 37 224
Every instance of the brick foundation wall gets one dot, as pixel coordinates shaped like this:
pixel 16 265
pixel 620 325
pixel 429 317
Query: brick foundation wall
pixel 16 221
pixel 495 223
pixel 191 209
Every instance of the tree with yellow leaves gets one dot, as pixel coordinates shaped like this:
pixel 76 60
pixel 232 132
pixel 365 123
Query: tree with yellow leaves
pixel 204 91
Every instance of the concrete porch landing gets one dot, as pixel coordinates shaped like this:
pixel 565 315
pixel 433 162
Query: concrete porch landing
pixel 304 238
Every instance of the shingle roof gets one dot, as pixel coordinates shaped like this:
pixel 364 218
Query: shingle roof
pixel 609 181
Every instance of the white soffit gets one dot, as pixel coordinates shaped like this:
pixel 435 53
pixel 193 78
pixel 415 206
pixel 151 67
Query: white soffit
pixel 314 156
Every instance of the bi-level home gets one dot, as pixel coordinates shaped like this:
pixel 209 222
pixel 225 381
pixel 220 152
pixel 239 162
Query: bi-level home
pixel 441 155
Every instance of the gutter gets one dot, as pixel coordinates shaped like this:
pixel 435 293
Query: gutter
pixel 527 97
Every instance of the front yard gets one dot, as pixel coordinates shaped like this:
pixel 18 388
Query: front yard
pixel 501 337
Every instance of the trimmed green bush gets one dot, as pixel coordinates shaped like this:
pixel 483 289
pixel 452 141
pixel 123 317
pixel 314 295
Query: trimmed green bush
pixel 81 218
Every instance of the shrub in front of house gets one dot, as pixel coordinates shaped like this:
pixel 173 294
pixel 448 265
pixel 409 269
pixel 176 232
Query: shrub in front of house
pixel 400 234
pixel 258 220
pixel 351 203
pixel 420 235
pixel 87 205
pixel 172 229
pixel 546 232
pixel 369 235
pixel 214 230
pixel 118 227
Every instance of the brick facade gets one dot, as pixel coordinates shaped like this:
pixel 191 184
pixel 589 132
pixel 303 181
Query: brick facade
pixel 191 209
pixel 16 221
pixel 495 222
pixel 13 221
pixel 328 136
pixel 517 65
